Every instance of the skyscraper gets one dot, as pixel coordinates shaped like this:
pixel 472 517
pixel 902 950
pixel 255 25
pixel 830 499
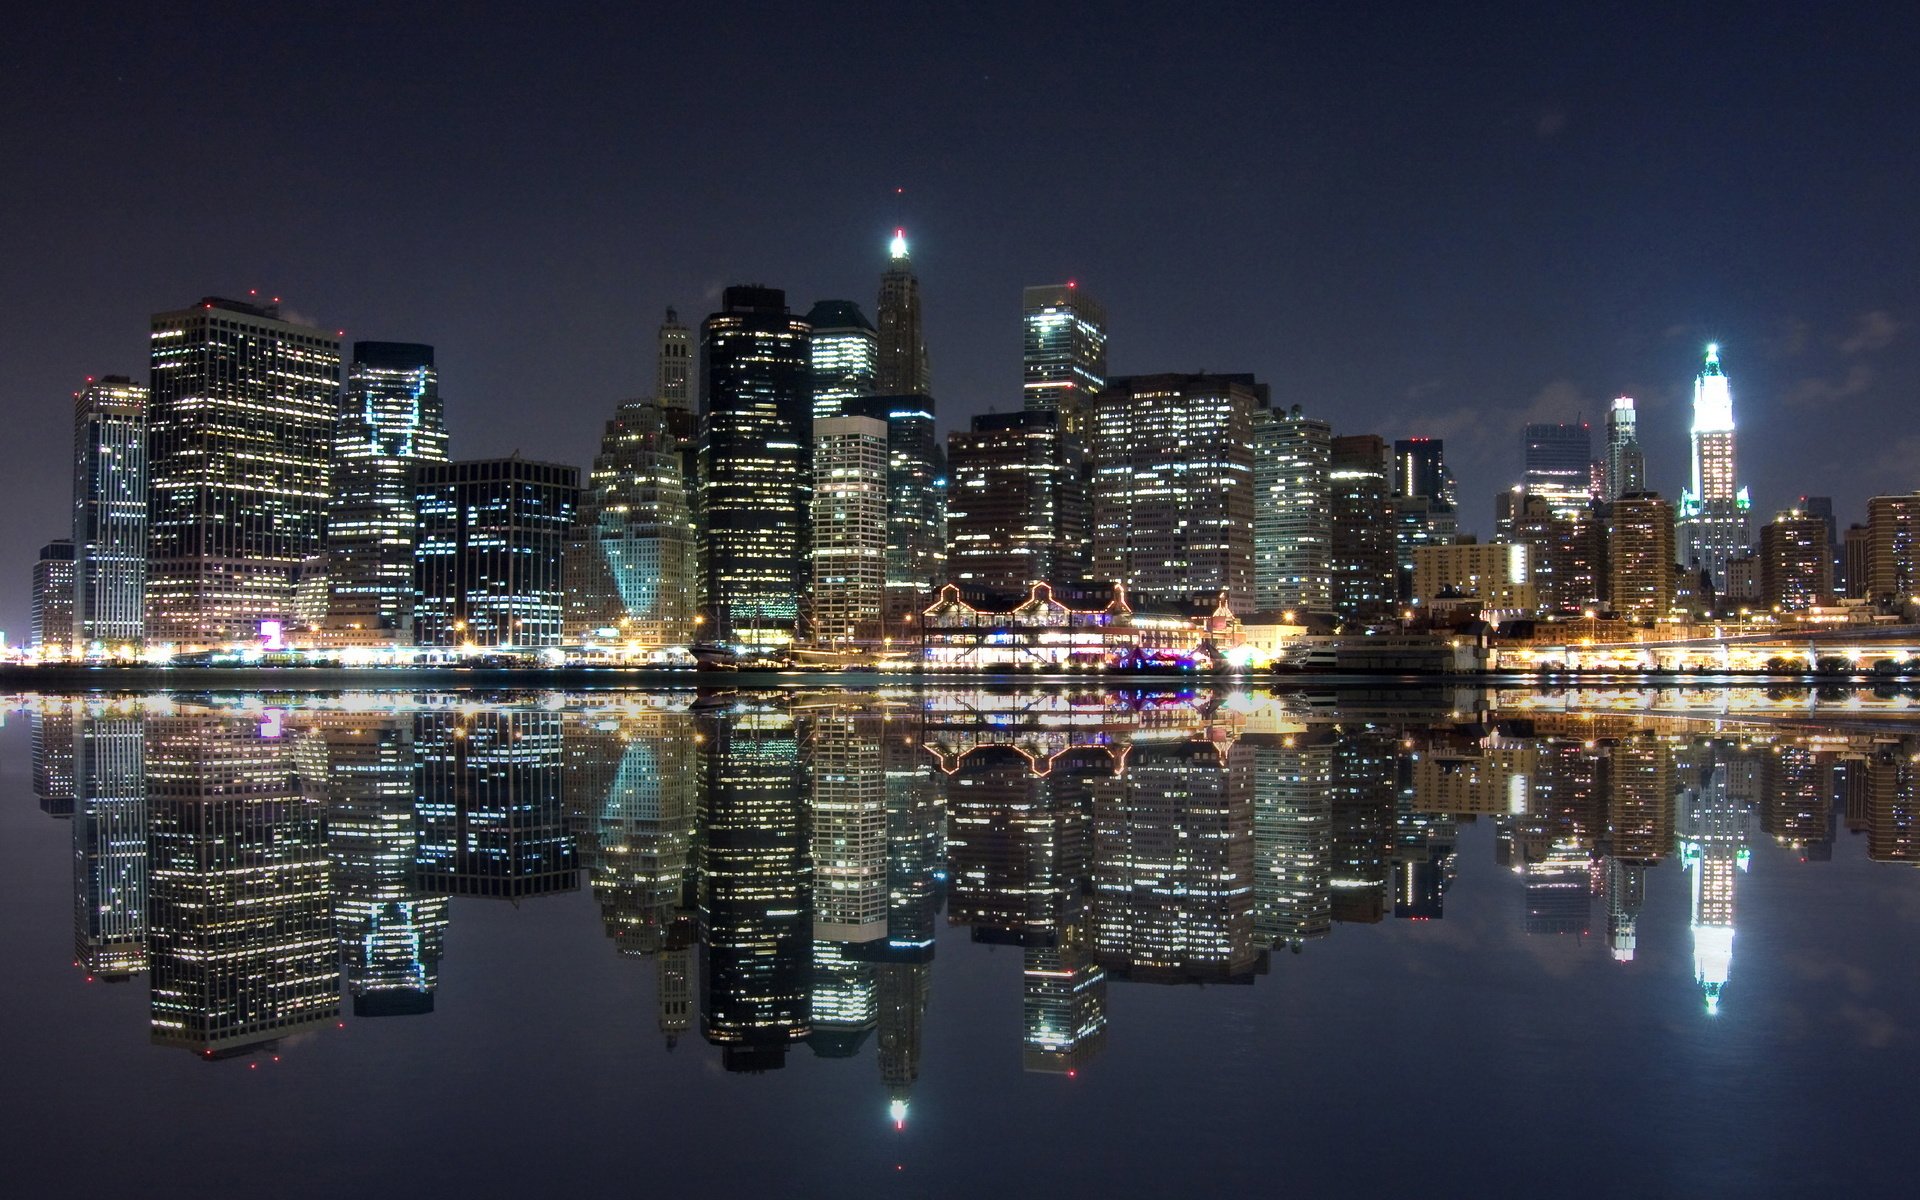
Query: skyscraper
pixel 844 356
pixel 389 424
pixel 1420 469
pixel 1796 562
pixel 916 502
pixel 756 465
pixel 1173 506
pixel 1626 465
pixel 849 532
pixel 1066 352
pixel 489 551
pixel 675 385
pixel 902 363
pixel 1893 549
pixel 631 559
pixel 1559 466
pixel 1713 512
pixel 1363 561
pixel 1292 518
pixel 109 513
pixel 1640 557
pixel 1017 504
pixel 53 598
pixel 239 438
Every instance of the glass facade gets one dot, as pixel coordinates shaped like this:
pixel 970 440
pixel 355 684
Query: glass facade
pixel 632 558
pixel 489 552
pixel 1292 517
pixel 1065 352
pixel 1016 504
pixel 849 521
pixel 109 514
pixel 902 365
pixel 843 359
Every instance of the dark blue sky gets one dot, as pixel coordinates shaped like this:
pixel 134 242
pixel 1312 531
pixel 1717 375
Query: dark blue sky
pixel 1414 222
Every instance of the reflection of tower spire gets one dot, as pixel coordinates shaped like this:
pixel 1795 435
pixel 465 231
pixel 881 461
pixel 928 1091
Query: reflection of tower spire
pixel 903 1009
pixel 1713 847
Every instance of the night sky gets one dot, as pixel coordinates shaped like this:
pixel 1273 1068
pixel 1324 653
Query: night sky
pixel 1411 222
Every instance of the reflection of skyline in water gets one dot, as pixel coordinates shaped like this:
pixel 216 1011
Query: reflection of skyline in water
pixel 785 861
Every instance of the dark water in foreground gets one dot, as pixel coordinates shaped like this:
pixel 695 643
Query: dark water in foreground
pixel 959 943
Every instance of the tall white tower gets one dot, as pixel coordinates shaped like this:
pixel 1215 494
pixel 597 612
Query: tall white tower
pixel 1713 512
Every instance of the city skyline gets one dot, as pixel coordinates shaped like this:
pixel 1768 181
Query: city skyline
pixel 1407 296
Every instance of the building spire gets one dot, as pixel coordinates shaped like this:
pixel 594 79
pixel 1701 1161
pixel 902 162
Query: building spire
pixel 898 247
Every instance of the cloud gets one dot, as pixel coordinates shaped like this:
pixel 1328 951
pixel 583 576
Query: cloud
pixel 1817 393
pixel 1549 123
pixel 1872 331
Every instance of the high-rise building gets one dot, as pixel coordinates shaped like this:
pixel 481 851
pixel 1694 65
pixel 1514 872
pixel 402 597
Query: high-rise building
pixel 110 844
pixel 849 532
pixel 631 558
pixel 1566 555
pixel 1893 549
pixel 53 751
pixel 1292 832
pixel 1713 512
pixel 1363 560
pixel 1420 469
pixel 489 552
pixel 1498 576
pixel 1796 562
pixel 1292 518
pixel 676 384
pixel 756 466
pixel 1017 504
pixel 1066 352
pixel 240 909
pixel 844 356
pixel 849 831
pixel 1418 522
pixel 1064 1003
pixel 902 367
pixel 390 423
pixel 1640 557
pixel 1714 834
pixel 109 513
pixel 239 439
pixel 53 598
pixel 1856 551
pixel 916 503
pixel 1173 506
pixel 1626 464
pixel 1559 466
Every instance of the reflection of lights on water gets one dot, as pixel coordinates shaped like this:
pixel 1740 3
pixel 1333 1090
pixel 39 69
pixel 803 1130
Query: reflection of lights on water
pixel 897 1111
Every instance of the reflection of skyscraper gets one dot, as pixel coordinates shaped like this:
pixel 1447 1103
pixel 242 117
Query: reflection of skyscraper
pixel 1891 783
pixel 1559 890
pixel 1016 848
pixel 1640 822
pixel 903 988
pixel 241 912
pixel 755 891
pixel 1292 838
pixel 53 757
pixel 392 931
pixel 849 831
pixel 1173 865
pixel 1796 805
pixel 1713 847
pixel 1363 778
pixel 1626 883
pixel 844 1001
pixel 1065 1004
pixel 110 846
pixel 492 819
pixel 638 821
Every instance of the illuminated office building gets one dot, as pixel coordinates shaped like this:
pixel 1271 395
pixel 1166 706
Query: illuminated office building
pixel 901 367
pixel 240 911
pixel 676 374
pixel 1626 464
pixel 1173 486
pixel 916 504
pixel 1017 847
pixel 1640 557
pixel 53 598
pixel 849 521
pixel 1362 803
pixel 1567 556
pixel 632 559
pixel 239 438
pixel 490 551
pixel 1796 562
pixel 1559 466
pixel 1292 515
pixel 389 423
pixel 1713 512
pixel 916 843
pixel 1363 554
pixel 755 890
pixel 1559 891
pixel 1065 354
pixel 843 1000
pixel 109 514
pixel 1713 848
pixel 1017 503
pixel 1891 565
pixel 1173 865
pixel 1796 801
pixel 52 726
pixel 110 844
pixel 493 819
pixel 1420 469
pixel 1292 837
pixel 1626 887
pixel 391 929
pixel 756 466
pixel 1419 523
pixel 843 357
